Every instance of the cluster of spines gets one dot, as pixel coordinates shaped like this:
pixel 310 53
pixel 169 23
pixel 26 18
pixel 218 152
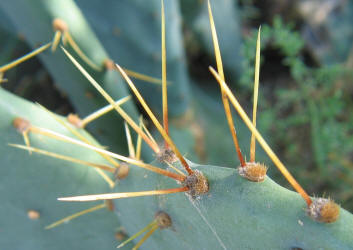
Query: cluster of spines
pixel 327 209
pixel 320 209
pixel 252 170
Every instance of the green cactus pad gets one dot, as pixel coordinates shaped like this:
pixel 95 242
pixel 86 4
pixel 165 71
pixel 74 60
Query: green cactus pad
pixel 235 214
pixel 34 182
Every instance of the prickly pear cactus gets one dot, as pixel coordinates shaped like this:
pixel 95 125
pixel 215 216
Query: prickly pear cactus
pixel 235 213
pixel 177 203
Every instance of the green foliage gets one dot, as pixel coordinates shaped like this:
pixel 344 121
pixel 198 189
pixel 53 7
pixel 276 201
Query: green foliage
pixel 329 38
pixel 280 36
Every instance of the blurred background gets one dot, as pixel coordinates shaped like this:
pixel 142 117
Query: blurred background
pixel 306 76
